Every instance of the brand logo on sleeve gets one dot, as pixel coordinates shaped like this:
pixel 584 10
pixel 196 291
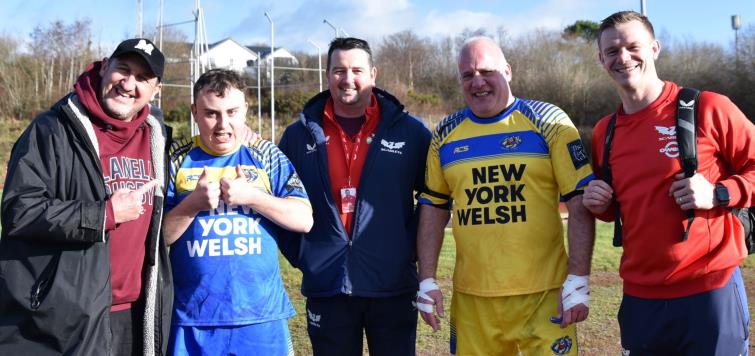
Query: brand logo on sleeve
pixel 577 153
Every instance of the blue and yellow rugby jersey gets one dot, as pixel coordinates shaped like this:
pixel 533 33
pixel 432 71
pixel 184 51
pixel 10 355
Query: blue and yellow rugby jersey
pixel 504 177
pixel 225 266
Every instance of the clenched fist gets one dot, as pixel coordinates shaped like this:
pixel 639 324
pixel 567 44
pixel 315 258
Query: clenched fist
pixel 206 194
pixel 236 191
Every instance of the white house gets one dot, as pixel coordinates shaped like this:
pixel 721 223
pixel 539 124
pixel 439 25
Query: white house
pixel 228 54
pixel 282 56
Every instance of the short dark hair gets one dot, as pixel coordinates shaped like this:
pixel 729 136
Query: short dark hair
pixel 347 43
pixel 218 81
pixel 622 17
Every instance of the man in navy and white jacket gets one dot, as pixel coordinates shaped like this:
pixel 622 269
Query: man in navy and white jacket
pixel 359 260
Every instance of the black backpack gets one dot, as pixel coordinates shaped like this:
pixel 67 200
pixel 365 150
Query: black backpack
pixel 686 138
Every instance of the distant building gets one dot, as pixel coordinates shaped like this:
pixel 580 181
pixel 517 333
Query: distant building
pixel 230 54
pixel 282 56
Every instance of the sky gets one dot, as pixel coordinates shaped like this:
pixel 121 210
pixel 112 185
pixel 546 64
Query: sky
pixel 297 21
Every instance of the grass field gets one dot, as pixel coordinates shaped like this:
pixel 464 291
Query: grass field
pixel 598 335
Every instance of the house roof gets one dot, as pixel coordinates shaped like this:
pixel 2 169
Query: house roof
pixel 213 45
pixel 262 50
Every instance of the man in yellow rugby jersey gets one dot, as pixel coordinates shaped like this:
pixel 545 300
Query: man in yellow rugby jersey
pixel 501 164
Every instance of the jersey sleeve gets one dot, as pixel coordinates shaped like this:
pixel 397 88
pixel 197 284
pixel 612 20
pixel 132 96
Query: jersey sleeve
pixel 176 154
pixel 571 164
pixel 284 181
pixel 437 192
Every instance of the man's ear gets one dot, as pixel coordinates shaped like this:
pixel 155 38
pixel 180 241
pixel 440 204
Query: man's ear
pixel 103 66
pixel 507 72
pixel 655 46
pixel 157 90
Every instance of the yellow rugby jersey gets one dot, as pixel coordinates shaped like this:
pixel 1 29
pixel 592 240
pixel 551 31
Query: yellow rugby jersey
pixel 503 177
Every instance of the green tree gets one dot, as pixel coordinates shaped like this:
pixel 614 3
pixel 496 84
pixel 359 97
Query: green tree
pixel 585 29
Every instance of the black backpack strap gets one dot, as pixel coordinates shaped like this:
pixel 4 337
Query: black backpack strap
pixel 605 169
pixel 686 138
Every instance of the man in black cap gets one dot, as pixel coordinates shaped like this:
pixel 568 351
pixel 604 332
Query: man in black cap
pixel 83 268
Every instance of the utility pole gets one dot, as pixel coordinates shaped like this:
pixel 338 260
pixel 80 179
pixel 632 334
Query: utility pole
pixel 160 45
pixel 272 77
pixel 139 14
pixel 319 62
pixel 643 10
pixel 736 24
pixel 335 29
pixel 259 93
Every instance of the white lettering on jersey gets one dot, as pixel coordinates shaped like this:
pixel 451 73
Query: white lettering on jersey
pixel 224 226
pixel 222 247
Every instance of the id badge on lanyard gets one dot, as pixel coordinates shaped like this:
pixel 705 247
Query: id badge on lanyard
pixel 349 192
pixel 348 199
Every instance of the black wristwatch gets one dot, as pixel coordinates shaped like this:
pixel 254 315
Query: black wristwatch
pixel 722 195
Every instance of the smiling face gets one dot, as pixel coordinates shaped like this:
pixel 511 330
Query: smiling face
pixel 220 119
pixel 350 80
pixel 127 86
pixel 485 78
pixel 628 53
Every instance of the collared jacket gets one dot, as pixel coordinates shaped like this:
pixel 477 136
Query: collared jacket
pixel 379 258
pixel 55 292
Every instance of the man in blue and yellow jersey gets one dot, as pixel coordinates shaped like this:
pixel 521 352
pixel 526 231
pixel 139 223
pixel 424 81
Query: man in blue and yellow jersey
pixel 225 202
pixel 501 165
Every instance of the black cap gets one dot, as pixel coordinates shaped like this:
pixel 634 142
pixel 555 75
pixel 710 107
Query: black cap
pixel 145 49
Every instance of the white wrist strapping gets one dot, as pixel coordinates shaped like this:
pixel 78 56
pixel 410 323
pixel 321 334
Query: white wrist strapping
pixel 428 284
pixel 575 291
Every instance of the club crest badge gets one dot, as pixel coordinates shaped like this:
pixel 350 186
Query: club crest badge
pixel 562 346
pixel 511 142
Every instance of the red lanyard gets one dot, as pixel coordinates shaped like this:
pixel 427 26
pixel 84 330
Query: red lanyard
pixel 350 157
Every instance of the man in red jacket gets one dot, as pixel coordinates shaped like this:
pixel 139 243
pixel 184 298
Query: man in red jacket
pixel 681 296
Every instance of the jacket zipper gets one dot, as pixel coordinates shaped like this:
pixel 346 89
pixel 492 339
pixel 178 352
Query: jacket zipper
pixel 41 287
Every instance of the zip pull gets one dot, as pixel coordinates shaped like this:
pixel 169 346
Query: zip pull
pixel 35 291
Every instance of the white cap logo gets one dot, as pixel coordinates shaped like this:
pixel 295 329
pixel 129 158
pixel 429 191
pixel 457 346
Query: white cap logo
pixel 144 46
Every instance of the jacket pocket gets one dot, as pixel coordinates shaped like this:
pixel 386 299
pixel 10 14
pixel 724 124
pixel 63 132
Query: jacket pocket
pixel 43 284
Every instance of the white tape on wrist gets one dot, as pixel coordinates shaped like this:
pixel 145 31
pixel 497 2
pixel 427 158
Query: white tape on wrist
pixel 575 291
pixel 428 284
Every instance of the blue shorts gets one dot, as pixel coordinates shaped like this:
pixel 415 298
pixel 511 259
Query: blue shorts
pixel 270 338
pixel 710 323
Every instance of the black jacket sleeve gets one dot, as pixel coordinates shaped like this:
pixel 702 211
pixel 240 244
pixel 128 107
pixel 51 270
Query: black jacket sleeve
pixel 49 193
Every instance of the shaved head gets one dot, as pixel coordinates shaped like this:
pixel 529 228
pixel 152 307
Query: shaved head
pixel 483 43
